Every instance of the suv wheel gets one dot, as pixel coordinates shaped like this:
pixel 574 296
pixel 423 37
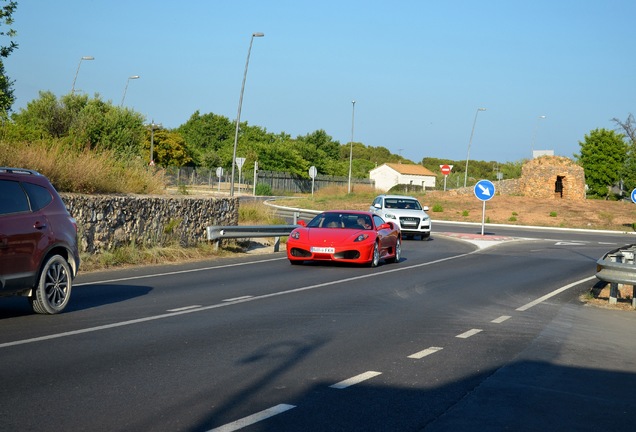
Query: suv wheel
pixel 54 287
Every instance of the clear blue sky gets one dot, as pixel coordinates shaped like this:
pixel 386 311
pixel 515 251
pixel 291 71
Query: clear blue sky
pixel 418 70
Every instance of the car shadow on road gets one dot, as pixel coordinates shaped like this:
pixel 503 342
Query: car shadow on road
pixel 82 298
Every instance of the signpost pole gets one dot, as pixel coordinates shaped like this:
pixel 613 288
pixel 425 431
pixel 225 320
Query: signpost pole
pixel 312 173
pixel 484 190
pixel 219 174
pixel 483 217
pixel 446 170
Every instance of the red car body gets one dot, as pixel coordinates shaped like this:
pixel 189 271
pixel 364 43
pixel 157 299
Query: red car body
pixel 39 255
pixel 347 236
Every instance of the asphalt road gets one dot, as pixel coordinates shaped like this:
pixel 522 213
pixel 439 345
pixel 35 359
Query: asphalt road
pixel 451 338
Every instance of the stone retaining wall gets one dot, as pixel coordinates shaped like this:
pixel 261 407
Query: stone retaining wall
pixel 109 221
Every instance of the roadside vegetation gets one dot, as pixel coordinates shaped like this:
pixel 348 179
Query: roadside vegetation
pixel 82 171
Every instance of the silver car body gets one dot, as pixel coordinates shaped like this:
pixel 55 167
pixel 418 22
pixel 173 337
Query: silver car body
pixel 406 211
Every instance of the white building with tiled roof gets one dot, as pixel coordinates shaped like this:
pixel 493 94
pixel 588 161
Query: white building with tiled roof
pixel 390 174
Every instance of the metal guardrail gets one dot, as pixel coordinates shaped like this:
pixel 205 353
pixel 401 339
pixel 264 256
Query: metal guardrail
pixel 618 267
pixel 292 213
pixel 217 233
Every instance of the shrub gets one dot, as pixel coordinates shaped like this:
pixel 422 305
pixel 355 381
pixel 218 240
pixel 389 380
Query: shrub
pixel 553 214
pixel 437 208
pixel 263 189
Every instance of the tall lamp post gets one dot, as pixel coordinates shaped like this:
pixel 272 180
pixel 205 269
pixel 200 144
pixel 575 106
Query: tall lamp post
pixel 469 143
pixel 126 88
pixel 238 115
pixel 353 112
pixel 78 68
pixel 534 135
pixel 153 126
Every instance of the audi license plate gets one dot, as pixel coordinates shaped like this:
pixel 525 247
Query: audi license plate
pixel 316 249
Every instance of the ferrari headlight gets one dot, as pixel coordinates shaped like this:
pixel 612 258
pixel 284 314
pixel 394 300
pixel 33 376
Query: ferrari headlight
pixel 295 235
pixel 361 237
pixel 390 216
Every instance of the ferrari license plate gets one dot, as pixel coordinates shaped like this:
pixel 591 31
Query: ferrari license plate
pixel 316 249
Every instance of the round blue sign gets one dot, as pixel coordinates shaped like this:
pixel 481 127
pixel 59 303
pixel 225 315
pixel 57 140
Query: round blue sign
pixel 634 195
pixel 484 190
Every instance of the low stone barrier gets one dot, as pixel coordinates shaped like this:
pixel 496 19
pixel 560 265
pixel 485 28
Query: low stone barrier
pixel 109 221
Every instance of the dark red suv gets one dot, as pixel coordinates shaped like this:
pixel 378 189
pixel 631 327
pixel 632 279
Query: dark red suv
pixel 39 257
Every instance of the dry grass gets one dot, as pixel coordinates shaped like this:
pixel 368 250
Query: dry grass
pixel 256 213
pixel 140 255
pixel 82 171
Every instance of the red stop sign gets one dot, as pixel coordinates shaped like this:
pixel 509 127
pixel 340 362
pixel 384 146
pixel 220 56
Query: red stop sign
pixel 445 169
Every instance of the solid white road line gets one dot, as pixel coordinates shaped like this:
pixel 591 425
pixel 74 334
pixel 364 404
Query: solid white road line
pixel 237 298
pixel 553 293
pixel 355 380
pixel 501 319
pixel 184 308
pixel 469 333
pixel 254 418
pixel 424 353
pixel 178 272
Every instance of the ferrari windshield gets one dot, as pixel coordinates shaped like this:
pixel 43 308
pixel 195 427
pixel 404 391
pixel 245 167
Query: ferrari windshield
pixel 341 220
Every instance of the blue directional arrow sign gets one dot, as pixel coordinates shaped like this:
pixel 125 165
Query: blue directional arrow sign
pixel 484 190
pixel 634 195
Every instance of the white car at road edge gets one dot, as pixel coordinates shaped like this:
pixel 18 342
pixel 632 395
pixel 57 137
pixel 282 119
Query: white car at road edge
pixel 406 211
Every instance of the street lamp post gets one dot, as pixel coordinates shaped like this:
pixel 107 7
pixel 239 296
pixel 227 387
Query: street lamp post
pixel 153 126
pixel 469 143
pixel 353 111
pixel 534 135
pixel 78 68
pixel 238 115
pixel 126 88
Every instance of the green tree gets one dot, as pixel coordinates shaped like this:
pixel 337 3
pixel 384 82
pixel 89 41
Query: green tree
pixel 603 154
pixel 280 157
pixel 6 84
pixel 205 135
pixel 47 117
pixel 323 142
pixel 87 123
pixel 628 173
pixel 169 148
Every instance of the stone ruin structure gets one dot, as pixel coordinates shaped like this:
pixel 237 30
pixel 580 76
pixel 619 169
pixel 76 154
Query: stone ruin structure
pixel 552 177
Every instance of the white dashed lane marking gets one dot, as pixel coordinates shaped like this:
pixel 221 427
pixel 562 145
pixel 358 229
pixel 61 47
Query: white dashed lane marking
pixel 469 333
pixel 501 319
pixel 254 418
pixel 426 352
pixel 355 380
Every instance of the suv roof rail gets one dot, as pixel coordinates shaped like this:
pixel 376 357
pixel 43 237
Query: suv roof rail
pixel 18 171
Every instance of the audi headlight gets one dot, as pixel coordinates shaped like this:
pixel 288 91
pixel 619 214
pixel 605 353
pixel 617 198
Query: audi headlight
pixel 390 216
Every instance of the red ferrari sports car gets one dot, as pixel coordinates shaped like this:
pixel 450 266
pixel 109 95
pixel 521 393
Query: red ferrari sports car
pixel 345 236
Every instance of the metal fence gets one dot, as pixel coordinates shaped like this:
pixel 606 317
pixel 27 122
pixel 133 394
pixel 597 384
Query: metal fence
pixel 281 181
pixel 277 181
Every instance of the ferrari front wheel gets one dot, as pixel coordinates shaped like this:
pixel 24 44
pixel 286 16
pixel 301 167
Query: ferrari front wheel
pixel 375 260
